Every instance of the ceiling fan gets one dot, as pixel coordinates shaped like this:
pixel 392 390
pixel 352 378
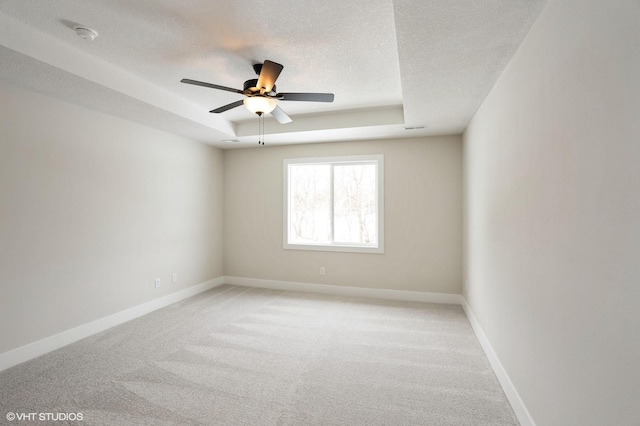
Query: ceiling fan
pixel 260 94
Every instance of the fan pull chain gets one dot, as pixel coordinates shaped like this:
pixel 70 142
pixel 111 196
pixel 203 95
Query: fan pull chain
pixel 260 128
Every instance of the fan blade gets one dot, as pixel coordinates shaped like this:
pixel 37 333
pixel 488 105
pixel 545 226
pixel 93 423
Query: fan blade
pixel 280 116
pixel 212 86
pixel 226 107
pixel 307 97
pixel 269 75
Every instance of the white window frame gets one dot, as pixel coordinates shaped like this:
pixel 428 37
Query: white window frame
pixel 378 160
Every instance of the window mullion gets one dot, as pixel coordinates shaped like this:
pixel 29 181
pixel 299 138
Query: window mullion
pixel 332 213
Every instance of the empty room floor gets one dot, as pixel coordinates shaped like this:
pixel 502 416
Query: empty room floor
pixel 240 355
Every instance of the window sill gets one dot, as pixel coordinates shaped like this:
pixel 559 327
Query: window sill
pixel 336 248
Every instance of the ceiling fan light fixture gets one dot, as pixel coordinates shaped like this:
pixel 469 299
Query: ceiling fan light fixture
pixel 261 95
pixel 259 104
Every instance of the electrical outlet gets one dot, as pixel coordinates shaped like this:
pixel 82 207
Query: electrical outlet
pixel 157 282
pixel 175 278
pixel 322 270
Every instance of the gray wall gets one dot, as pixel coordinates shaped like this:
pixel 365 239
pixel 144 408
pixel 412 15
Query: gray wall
pixel 92 210
pixel 423 217
pixel 552 206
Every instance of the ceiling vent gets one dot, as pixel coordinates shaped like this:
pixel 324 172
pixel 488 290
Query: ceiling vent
pixel 415 127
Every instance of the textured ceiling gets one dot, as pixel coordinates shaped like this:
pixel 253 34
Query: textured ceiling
pixel 391 64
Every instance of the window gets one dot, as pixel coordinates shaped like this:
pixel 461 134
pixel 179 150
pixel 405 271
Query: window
pixel 334 204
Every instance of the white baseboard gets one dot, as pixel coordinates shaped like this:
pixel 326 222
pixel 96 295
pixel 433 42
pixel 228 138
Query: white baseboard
pixel 524 417
pixel 374 293
pixel 48 344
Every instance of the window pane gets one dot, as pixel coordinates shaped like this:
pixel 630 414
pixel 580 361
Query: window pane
pixel 355 206
pixel 310 203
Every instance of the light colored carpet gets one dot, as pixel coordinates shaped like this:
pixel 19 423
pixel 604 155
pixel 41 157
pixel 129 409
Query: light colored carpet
pixel 249 356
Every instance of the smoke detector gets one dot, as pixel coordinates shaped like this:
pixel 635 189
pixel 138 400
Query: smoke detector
pixel 85 32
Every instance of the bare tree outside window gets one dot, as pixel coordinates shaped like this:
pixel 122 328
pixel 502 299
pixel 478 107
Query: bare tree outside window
pixel 310 196
pixel 355 204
